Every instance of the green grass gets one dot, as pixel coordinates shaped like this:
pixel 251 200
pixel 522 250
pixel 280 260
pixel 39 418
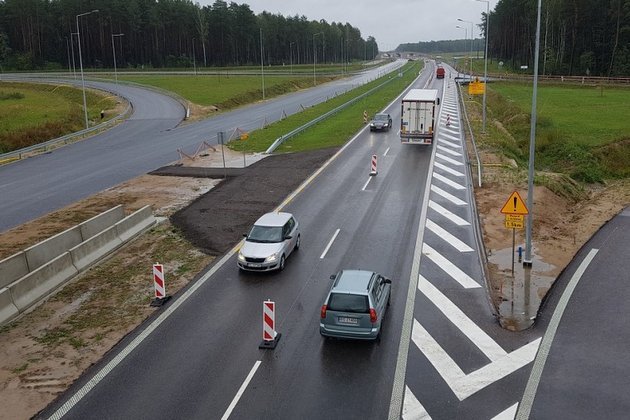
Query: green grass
pixel 34 113
pixel 581 131
pixel 336 130
pixel 222 91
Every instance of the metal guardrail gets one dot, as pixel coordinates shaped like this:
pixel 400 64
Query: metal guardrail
pixel 472 136
pixel 322 117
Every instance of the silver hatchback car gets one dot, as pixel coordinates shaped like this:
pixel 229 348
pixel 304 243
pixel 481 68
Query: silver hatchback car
pixel 271 240
pixel 355 305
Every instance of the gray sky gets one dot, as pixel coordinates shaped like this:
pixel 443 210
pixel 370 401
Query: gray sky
pixel 391 22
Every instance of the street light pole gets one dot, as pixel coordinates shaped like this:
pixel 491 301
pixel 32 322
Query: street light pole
pixel 315 56
pixel 527 262
pixel 291 54
pixel 485 63
pixel 471 43
pixel 465 37
pixel 114 53
pixel 68 50
pixel 262 67
pixel 81 64
pixel 194 58
pixel 74 67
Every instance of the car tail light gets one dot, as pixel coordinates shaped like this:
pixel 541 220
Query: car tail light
pixel 323 312
pixel 373 316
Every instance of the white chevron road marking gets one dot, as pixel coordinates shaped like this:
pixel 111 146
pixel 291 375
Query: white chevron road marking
pixel 464 385
pixel 448 237
pixel 412 408
pixel 449 268
pixel 475 334
pixel 449 215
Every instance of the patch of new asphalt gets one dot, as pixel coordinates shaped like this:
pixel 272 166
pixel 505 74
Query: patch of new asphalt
pixel 217 220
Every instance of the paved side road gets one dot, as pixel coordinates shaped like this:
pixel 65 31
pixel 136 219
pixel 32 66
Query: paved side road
pixel 582 370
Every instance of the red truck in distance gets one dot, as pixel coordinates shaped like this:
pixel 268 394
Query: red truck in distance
pixel 439 73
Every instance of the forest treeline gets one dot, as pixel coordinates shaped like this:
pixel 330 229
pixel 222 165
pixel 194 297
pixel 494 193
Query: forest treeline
pixel 577 37
pixel 42 34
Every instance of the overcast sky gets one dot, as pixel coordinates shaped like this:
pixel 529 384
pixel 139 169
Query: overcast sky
pixel 391 22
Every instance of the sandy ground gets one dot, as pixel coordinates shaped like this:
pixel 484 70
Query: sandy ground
pixel 47 349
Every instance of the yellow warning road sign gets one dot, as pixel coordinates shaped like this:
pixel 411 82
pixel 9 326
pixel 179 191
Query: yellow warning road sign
pixel 476 87
pixel 514 205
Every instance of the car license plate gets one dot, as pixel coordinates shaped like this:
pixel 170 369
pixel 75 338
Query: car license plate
pixel 252 265
pixel 348 320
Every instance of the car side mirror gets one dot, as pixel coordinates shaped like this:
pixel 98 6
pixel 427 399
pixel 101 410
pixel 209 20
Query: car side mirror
pixel 438 101
pixel 332 276
pixel 288 237
pixel 386 281
pixel 245 235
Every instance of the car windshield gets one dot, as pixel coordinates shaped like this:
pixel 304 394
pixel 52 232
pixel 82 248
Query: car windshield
pixel 380 117
pixel 343 302
pixel 265 234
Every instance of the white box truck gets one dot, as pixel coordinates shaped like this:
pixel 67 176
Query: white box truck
pixel 418 115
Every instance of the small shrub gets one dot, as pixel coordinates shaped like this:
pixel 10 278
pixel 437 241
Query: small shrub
pixel 5 96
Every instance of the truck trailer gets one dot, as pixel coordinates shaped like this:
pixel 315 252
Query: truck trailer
pixel 418 114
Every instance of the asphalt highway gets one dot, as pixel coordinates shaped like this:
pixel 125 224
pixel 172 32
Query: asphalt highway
pixel 197 359
pixel 148 140
pixel 440 354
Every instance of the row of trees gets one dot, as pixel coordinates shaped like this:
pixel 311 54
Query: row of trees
pixel 167 33
pixel 577 37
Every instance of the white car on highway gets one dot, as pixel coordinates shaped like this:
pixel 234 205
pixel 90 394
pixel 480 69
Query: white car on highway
pixel 268 244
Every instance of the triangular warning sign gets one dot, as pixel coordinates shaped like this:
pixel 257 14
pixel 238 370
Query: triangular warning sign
pixel 514 205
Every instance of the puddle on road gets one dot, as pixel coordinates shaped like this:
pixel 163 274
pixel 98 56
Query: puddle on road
pixel 521 293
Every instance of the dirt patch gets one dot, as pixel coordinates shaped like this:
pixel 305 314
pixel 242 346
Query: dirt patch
pixel 236 203
pixel 561 226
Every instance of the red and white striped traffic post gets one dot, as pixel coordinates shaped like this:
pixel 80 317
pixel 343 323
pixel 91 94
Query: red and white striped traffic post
pixel 448 120
pixel 373 170
pixel 270 335
pixel 159 284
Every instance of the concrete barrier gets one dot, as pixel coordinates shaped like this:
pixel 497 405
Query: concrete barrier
pixel 12 268
pixel 87 253
pixel 44 251
pixel 135 223
pixel 39 283
pixel 100 222
pixel 8 310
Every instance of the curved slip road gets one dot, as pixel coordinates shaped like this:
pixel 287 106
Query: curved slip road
pixel 148 140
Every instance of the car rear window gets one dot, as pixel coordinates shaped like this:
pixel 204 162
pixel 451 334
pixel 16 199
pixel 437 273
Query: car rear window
pixel 343 302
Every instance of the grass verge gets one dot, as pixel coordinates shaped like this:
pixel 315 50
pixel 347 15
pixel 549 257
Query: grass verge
pixel 581 131
pixel 337 129
pixel 224 92
pixel 32 113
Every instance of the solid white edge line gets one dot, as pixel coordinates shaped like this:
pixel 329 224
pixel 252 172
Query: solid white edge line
pixel 398 386
pixel 100 375
pixel 329 244
pixel 366 184
pixel 529 394
pixel 241 390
